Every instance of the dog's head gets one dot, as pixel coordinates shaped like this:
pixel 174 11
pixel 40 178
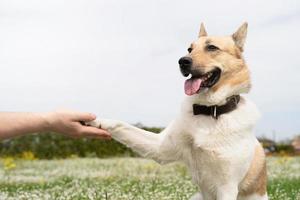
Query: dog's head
pixel 216 67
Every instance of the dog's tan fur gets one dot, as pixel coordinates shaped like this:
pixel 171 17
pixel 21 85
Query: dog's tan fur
pixel 234 73
pixel 255 180
pixel 229 57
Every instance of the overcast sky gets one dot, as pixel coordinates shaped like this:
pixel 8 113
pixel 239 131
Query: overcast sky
pixel 118 59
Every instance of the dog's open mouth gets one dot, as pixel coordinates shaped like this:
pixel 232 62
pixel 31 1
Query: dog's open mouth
pixel 197 82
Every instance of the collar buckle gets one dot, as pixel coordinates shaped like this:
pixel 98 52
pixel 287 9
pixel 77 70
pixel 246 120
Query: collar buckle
pixel 213 112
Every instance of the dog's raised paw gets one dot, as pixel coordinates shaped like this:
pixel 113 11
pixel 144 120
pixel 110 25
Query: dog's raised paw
pixel 95 123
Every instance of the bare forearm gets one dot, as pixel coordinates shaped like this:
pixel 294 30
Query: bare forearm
pixel 14 124
pixel 64 122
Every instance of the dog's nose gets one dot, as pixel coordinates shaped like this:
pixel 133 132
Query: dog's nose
pixel 185 61
pixel 185 64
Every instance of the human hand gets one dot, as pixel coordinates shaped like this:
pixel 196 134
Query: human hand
pixel 70 123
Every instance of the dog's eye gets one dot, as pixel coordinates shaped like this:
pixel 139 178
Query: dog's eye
pixel 190 49
pixel 212 48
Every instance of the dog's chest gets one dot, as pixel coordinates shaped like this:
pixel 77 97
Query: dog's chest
pixel 214 151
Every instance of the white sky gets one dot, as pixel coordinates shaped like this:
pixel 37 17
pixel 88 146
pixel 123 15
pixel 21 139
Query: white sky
pixel 118 59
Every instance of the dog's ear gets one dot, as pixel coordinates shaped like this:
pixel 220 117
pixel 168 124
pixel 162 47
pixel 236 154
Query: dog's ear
pixel 240 35
pixel 202 31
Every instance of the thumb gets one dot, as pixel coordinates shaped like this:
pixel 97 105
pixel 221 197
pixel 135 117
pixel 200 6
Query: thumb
pixel 83 117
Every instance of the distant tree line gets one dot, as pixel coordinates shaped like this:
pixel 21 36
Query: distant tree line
pixel 55 146
pixel 52 146
pixel 288 147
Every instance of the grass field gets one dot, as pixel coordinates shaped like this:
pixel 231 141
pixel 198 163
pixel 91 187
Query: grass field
pixel 122 178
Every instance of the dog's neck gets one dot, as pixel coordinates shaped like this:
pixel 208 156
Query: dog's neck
pixel 217 98
pixel 215 111
pixel 209 98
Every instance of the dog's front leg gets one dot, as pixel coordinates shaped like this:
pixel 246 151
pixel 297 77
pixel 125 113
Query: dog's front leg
pixel 145 143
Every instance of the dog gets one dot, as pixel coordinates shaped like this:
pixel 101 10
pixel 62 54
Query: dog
pixel 213 134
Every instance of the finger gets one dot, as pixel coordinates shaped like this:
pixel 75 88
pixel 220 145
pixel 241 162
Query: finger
pixel 88 130
pixel 83 117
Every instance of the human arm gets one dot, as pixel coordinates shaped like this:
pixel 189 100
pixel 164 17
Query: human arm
pixel 65 122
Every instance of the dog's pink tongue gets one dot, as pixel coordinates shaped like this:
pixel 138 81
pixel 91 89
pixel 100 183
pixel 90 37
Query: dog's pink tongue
pixel 192 85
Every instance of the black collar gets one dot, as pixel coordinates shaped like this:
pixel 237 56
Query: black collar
pixel 215 111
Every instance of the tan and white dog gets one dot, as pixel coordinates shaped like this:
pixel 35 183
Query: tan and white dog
pixel 213 135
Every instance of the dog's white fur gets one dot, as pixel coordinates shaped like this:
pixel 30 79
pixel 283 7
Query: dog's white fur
pixel 217 152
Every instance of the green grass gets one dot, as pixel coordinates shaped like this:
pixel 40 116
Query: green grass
pixel 124 178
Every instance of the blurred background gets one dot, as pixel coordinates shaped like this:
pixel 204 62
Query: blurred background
pixel 119 59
